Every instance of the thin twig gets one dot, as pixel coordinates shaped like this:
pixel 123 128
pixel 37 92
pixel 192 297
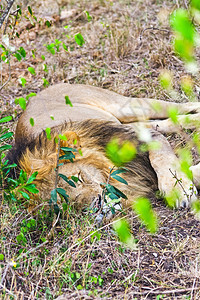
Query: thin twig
pixel 52 228
pixel 9 74
pixel 7 18
pixel 57 164
pixel 7 291
pixel 6 11
pixel 175 291
pixel 103 192
pixel 153 28
pixel 181 185
pixel 32 250
pixel 135 272
pixel 16 14
pixel 194 281
pixel 4 275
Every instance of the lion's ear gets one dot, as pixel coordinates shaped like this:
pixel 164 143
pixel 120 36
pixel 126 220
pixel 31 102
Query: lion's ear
pixel 71 140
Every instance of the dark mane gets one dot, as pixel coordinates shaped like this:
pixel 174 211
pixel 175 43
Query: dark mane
pixel 92 133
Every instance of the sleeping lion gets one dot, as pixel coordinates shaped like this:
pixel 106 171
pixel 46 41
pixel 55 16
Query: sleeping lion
pixel 96 117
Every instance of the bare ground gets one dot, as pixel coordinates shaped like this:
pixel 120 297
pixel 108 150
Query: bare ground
pixel 124 54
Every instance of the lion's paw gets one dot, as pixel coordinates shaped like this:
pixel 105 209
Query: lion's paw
pixel 178 191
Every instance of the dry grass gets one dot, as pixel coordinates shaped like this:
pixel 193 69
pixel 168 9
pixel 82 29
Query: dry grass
pixel 122 55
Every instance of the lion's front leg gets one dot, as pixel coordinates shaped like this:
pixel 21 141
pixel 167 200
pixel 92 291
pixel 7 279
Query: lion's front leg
pixel 172 183
pixel 191 121
pixel 196 174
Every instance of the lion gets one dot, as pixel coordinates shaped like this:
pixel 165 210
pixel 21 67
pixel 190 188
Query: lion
pixel 90 117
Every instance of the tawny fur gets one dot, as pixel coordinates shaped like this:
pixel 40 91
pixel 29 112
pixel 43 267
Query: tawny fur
pixel 92 167
pixel 95 118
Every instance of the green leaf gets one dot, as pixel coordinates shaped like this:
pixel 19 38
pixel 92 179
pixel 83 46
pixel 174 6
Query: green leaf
pixel 67 101
pixel 56 209
pixel 180 22
pixel 172 197
pixel 1 257
pixel 22 103
pixel 5 147
pixel 50 48
pixel 22 81
pixel 30 95
pixel 79 287
pixel 22 52
pixel 2 47
pixel 184 48
pixel 31 188
pixel 19 10
pixel 30 10
pixel 166 80
pixel 89 18
pixel 195 4
pixel 31 120
pixel 173 114
pixel 120 179
pixel 33 53
pixel 45 82
pixel 25 195
pixel 45 68
pixel 68 155
pixel 22 176
pixel 79 39
pixel 48 24
pixel 112 189
pixel 185 168
pixel 74 178
pixel 65 206
pixel 32 177
pixel 42 57
pixel 31 70
pixel 65 47
pixel 113 196
pixel 48 133
pixel 54 196
pixel 57 42
pixel 95 235
pixel 63 193
pixel 143 209
pixel 187 86
pixel 18 56
pixel 6 119
pixel 119 171
pixel 67 149
pixel 21 239
pixel 196 207
pixel 6 136
pixel 62 137
pixel 65 178
pixel 9 166
pixel 123 232
pixel 196 141
pixel 185 162
pixel 120 154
